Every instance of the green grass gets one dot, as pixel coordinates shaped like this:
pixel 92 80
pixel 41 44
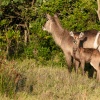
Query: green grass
pixel 52 83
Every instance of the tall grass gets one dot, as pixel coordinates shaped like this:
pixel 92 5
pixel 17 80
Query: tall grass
pixel 7 85
pixel 51 83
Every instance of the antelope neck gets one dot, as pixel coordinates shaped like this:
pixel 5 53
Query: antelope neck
pixel 62 36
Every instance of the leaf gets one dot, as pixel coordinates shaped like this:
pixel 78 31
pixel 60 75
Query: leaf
pixel 10 34
pixel 3 22
pixel 5 2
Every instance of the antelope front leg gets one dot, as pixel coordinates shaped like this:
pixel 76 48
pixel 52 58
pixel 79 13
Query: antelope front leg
pixel 69 62
pixel 98 75
pixel 76 65
pixel 82 66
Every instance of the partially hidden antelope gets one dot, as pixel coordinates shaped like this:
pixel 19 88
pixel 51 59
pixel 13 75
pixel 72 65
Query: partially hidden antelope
pixel 63 39
pixel 84 55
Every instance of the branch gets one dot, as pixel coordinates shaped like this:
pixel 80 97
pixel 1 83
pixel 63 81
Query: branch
pixel 98 11
pixel 23 25
pixel 33 1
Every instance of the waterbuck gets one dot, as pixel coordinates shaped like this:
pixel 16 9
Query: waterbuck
pixel 63 39
pixel 85 54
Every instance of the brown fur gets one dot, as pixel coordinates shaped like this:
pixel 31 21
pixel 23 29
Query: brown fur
pixel 86 55
pixel 63 39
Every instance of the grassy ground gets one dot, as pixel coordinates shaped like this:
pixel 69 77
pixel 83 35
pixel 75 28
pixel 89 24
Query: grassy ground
pixel 50 83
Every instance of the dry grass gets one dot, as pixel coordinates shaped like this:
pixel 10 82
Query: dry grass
pixel 53 83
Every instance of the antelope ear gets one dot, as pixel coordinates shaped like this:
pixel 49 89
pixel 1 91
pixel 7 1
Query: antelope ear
pixel 81 35
pixel 48 16
pixel 71 33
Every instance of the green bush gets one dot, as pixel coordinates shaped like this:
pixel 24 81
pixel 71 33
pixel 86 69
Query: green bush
pixel 74 15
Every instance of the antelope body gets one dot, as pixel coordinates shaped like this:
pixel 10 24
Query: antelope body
pixel 86 54
pixel 63 39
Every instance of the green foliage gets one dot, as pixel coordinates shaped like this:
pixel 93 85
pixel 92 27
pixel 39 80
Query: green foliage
pixel 77 15
pixel 10 34
pixel 3 22
pixel 5 2
pixel 82 16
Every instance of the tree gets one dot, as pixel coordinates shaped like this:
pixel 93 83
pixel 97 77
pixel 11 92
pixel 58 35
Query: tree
pixel 21 24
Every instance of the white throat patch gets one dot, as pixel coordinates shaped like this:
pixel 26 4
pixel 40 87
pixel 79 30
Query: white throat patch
pixel 50 26
pixel 95 45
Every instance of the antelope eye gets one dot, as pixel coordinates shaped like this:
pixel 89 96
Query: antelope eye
pixel 74 41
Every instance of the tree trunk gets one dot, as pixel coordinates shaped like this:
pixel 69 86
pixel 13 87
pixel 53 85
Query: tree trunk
pixel 26 33
pixel 25 37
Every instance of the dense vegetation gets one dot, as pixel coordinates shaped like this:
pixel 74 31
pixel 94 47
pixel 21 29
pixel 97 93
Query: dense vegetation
pixel 21 34
pixel 27 53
